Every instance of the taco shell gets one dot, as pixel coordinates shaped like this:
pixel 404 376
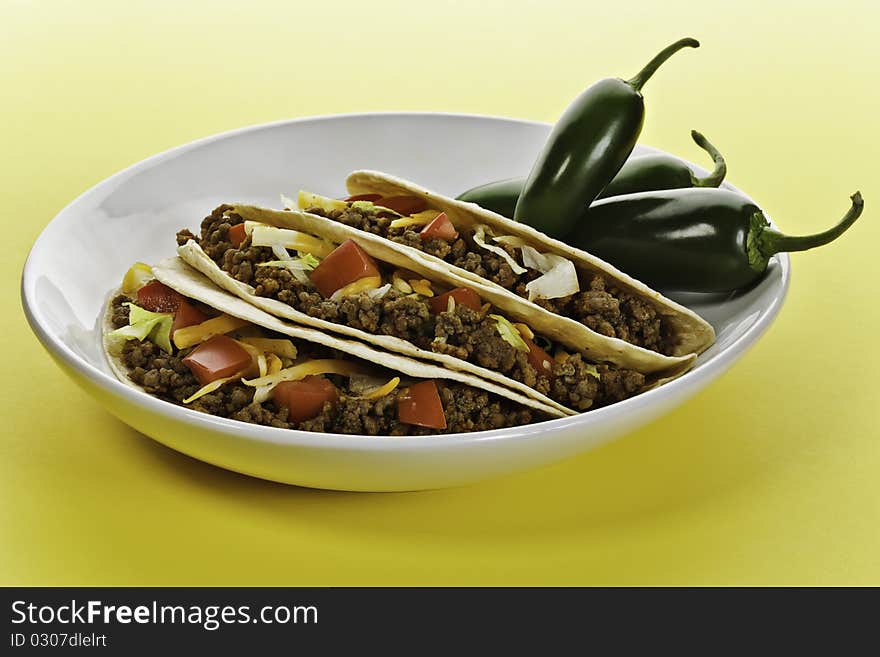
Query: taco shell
pixel 693 333
pixel 176 274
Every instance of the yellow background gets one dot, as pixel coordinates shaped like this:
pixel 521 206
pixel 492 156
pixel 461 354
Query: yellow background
pixel 772 476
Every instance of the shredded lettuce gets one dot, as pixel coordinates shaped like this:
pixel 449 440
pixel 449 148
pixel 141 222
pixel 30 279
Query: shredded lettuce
pixel 308 260
pixel 369 206
pixel 379 292
pixel 297 266
pixel 480 239
pixel 280 252
pixel 559 275
pixel 364 206
pixel 250 225
pixel 303 263
pixel 592 371
pixel 510 240
pixel 509 333
pixel 146 325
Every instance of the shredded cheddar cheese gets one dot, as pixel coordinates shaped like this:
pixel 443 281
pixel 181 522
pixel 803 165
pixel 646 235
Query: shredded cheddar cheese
pixel 382 391
pixel 190 335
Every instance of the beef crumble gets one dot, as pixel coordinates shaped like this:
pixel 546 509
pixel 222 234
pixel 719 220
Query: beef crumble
pixel 119 311
pixel 603 307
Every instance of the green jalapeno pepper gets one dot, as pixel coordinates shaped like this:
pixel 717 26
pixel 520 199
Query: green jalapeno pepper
pixel 586 149
pixel 692 240
pixel 642 173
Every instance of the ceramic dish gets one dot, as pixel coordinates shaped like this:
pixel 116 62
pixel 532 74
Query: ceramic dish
pixel 84 251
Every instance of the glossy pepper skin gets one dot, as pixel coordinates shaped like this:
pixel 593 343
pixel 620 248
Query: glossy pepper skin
pixel 587 147
pixel 643 173
pixel 656 171
pixel 692 240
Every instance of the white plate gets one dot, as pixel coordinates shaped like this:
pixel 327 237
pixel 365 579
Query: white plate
pixel 83 253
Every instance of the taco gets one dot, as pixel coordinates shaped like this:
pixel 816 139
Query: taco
pixel 368 289
pixel 173 334
pixel 586 294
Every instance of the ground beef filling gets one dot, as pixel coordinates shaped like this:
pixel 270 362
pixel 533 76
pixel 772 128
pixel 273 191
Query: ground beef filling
pixel 165 376
pixel 119 311
pixel 466 409
pixel 616 314
pixel 462 332
pixel 602 308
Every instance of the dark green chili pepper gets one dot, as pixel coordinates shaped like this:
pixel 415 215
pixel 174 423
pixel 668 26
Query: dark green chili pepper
pixel 586 149
pixel 499 196
pixel 657 171
pixel 642 173
pixel 692 240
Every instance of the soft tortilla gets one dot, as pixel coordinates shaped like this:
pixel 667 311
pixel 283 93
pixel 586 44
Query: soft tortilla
pixel 694 334
pixel 563 330
pixel 174 273
pixel 383 250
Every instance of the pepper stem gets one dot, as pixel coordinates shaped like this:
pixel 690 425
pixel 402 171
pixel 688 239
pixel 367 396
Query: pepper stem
pixel 713 179
pixel 642 76
pixel 763 241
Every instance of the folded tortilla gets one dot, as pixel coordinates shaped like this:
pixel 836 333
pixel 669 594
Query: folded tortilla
pixel 693 334
pixel 657 367
pixel 175 273
pixel 567 332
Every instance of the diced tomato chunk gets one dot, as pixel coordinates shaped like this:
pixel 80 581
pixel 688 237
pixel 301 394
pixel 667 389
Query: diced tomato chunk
pixel 440 228
pixel 186 314
pixel 158 298
pixel 463 295
pixel 237 235
pixel 404 205
pixel 372 198
pixel 219 357
pixel 539 359
pixel 346 264
pixel 304 399
pixel 421 405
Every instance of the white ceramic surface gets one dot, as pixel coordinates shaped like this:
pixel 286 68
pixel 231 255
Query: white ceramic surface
pixel 83 252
